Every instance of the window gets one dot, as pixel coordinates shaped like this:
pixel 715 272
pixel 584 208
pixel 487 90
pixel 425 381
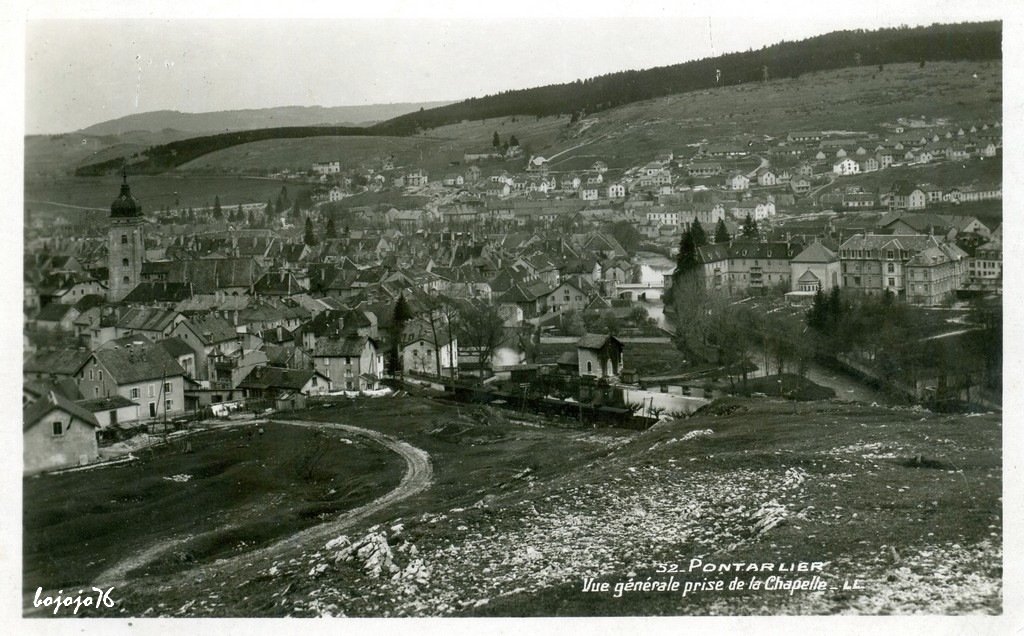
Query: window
pixel 167 387
pixel 124 239
pixel 90 374
pixel 124 262
pixel 96 391
pixel 58 427
pixel 892 268
pixel 135 393
pixel 590 366
pixel 152 390
pixel 168 404
pixel 892 282
pixel 125 280
pixel 888 254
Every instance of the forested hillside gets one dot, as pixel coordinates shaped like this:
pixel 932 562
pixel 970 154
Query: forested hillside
pixel 972 41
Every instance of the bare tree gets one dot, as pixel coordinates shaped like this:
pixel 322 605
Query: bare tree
pixel 481 326
pixel 441 314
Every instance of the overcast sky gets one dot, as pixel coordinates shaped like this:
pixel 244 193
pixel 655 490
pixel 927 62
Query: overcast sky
pixel 80 72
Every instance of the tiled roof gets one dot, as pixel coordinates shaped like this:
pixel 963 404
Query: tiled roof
pixel 54 312
pixel 175 346
pixel 147 292
pixel 39 409
pixel 146 319
pixel 96 405
pixel 211 329
pixel 276 378
pixel 352 346
pixel 816 253
pixel 596 341
pixel 137 363
pixel 61 362
pixel 910 242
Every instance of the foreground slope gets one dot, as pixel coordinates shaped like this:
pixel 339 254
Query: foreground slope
pixel 900 504
pixel 849 99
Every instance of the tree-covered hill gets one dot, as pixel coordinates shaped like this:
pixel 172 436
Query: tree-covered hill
pixel 841 49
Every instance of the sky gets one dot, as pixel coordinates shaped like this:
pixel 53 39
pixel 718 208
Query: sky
pixel 84 70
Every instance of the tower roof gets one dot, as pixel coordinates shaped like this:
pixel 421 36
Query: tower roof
pixel 125 204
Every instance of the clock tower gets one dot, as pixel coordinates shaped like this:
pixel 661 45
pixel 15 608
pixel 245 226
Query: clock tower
pixel 125 245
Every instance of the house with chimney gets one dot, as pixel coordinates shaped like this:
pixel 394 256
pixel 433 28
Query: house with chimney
pixel 57 433
pixel 878 263
pixel 351 363
pixel 209 337
pixel 140 371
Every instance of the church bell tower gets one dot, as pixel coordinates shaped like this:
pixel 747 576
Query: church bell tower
pixel 125 243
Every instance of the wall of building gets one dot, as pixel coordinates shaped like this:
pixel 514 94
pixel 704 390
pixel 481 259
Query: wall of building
pixel 77 445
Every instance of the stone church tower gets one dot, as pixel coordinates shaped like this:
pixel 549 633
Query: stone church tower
pixel 125 243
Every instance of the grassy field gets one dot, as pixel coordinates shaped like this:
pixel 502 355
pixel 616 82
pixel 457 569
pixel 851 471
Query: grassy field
pixel 981 172
pixel 851 98
pixel 243 489
pixel 54 155
pixel 907 504
pixel 848 99
pixel 352 152
pixel 152 192
pixel 905 501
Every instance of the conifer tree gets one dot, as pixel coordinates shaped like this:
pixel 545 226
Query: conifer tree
pixel 309 237
pixel 750 227
pixel 686 260
pixel 721 232
pixel 700 238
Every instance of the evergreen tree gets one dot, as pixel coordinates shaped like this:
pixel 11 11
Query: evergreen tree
pixel 686 260
pixel 700 238
pixel 512 141
pixel 818 315
pixel 721 232
pixel 835 306
pixel 401 315
pixel 329 231
pixel 496 140
pixel 309 237
pixel 749 227
pixel 217 213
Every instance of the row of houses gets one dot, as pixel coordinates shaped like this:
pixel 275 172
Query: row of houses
pixel 922 269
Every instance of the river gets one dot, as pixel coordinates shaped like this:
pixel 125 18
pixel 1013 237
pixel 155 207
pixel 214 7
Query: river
pixel 653 269
pixel 654 266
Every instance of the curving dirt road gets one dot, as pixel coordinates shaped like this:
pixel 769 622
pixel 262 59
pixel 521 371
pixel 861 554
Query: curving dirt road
pixel 418 474
pixel 417 478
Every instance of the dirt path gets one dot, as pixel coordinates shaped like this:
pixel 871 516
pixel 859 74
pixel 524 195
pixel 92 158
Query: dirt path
pixel 417 478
